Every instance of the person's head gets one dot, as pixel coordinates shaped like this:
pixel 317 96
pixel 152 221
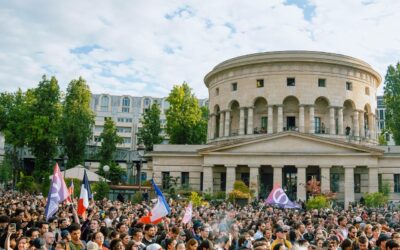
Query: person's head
pixel 92 246
pixel 33 233
pixel 116 244
pixel 22 243
pixel 205 245
pixel 149 231
pixel 310 227
pixel 279 246
pixel 125 238
pixel 43 227
pixel 261 226
pixel 112 213
pixel 396 237
pixel 192 244
pixel 381 242
pixel 204 232
pixel 122 228
pixel 333 242
pixel 170 244
pixel 61 245
pixel 392 245
pixel 352 232
pixel 268 233
pixel 94 225
pixel 137 235
pixel 280 234
pixel 342 221
pixel 75 232
pixel 49 238
pixel 319 242
pixel 180 246
pixel 98 237
pixel 363 242
pixel 65 235
pixel 347 244
pixel 174 232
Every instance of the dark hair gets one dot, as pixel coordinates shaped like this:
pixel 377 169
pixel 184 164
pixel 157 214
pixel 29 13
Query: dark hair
pixel 148 226
pixel 346 243
pixel 277 246
pixel 168 242
pixel 74 227
pixel 205 244
pixel 391 244
pixel 114 243
pixel 136 230
pixel 362 239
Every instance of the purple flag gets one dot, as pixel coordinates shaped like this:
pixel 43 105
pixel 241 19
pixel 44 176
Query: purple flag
pixel 58 193
pixel 279 197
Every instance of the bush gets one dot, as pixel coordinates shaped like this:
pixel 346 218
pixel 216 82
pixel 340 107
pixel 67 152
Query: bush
pixel 196 199
pixel 240 191
pixel 375 199
pixel 101 190
pixel 27 184
pixel 318 202
pixel 137 198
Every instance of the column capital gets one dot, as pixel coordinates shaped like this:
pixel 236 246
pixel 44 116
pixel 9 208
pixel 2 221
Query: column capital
pixel 349 167
pixel 325 166
pixel 277 166
pixel 230 166
pixel 213 114
pixel 301 166
pixel 331 106
pixel 279 105
pixel 225 110
pixel 250 107
pixel 360 110
pixel 373 166
pixel 311 105
pixel 242 108
pixel 254 166
pixel 207 166
pixel 303 105
pixel 356 111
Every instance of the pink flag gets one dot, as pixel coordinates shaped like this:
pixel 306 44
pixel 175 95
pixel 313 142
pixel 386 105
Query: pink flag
pixel 188 214
pixel 279 197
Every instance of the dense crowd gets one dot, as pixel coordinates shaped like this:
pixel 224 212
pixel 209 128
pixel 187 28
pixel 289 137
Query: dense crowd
pixel 114 225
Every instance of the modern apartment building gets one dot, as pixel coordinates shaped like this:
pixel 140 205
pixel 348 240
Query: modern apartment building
pixel 380 116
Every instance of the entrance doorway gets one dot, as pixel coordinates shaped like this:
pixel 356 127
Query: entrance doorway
pixel 266 186
pixel 290 181
pixel 291 122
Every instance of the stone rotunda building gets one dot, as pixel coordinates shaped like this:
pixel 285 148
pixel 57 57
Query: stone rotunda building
pixel 286 118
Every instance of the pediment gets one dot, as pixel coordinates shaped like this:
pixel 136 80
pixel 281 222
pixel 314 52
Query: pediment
pixel 290 143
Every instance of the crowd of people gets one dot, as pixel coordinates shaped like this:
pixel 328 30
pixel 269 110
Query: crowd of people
pixel 115 225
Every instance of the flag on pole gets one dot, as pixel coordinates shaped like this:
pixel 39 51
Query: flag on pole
pixel 84 197
pixel 278 197
pixel 58 193
pixel 159 211
pixel 71 191
pixel 188 213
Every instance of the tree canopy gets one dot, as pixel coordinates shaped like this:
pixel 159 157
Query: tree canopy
pixel 392 101
pixel 150 131
pixel 185 123
pixel 77 121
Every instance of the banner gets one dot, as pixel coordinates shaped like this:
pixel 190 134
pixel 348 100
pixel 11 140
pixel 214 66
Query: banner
pixel 278 197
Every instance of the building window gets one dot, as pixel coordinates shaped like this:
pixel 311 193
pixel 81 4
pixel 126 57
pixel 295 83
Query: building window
pixel 223 182
pixel 165 180
pixel 234 86
pixel 120 119
pixel 264 122
pixel 217 91
pixel 291 81
pixel 125 110
pixel 185 179
pixel 322 83
pixel 104 103
pixel 349 86
pixel 335 179
pixel 143 176
pixel 366 90
pixel 201 181
pixel 128 119
pixel 357 183
pixel 260 83
pixel 245 178
pixel 380 183
pixel 126 102
pixel 146 102
pixel 126 140
pixel 97 139
pixel 396 183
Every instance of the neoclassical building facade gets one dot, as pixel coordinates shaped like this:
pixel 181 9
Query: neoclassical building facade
pixel 286 118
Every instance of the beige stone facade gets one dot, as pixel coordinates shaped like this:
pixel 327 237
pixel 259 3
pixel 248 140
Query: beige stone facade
pixel 285 118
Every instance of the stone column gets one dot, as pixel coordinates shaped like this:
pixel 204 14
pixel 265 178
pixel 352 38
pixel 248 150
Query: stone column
pixel 227 123
pixel 356 124
pixel 340 120
pixel 301 119
pixel 250 129
pixel 241 121
pixel 254 177
pixel 230 178
pixel 311 127
pixel 301 183
pixel 373 127
pixel 373 183
pixel 325 178
pixel 213 126
pixel 208 179
pixel 270 119
pixel 277 175
pixel 280 118
pixel 221 123
pixel 332 121
pixel 362 124
pixel 348 185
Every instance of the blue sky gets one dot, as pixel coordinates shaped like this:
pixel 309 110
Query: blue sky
pixel 145 47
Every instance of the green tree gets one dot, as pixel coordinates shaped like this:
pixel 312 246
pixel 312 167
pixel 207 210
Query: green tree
pixel 109 140
pixel 101 190
pixel 392 101
pixel 184 116
pixel 150 131
pixel 77 121
pixel 6 169
pixel 44 117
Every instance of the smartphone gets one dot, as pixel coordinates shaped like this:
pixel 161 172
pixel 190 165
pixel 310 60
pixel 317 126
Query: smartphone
pixel 12 228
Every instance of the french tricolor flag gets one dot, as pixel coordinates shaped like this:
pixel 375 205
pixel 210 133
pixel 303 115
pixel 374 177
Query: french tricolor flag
pixel 84 197
pixel 159 211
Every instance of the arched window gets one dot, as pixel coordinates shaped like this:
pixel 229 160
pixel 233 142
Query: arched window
pixel 104 103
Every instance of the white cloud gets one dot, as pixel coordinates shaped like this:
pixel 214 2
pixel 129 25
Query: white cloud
pixel 141 52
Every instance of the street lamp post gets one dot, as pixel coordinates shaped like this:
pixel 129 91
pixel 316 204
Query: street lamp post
pixel 106 168
pixel 141 151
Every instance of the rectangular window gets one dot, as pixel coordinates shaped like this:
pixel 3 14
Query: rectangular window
pixel 317 125
pixel 217 91
pixel 120 119
pixel 245 178
pixel 185 179
pixel 366 90
pixel 335 178
pixel 128 119
pixel 291 81
pixel 234 86
pixel 380 182
pixel 260 83
pixel 126 140
pixel 165 180
pixel 322 83
pixel 125 110
pixel 201 181
pixel 264 122
pixel 357 183
pixel 223 182
pixel 349 86
pixel 381 114
pixel 396 183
